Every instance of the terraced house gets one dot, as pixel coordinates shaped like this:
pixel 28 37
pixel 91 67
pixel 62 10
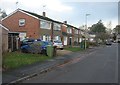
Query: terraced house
pixel 32 25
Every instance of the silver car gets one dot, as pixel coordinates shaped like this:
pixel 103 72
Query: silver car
pixel 58 44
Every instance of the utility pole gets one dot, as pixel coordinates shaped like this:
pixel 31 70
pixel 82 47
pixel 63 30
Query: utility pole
pixel 86 30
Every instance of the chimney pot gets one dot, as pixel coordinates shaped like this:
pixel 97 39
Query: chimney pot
pixel 44 14
pixel 65 22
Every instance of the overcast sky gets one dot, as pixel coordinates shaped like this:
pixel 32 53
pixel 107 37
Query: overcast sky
pixel 72 11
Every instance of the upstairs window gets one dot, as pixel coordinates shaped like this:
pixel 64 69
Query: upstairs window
pixel 21 22
pixel 45 24
pixel 69 30
pixel 57 27
pixel 76 31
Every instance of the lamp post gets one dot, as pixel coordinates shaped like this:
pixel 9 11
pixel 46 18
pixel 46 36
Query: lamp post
pixel 86 20
pixel 86 28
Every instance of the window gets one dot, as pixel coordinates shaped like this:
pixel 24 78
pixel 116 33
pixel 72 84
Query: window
pixel 69 30
pixel 57 26
pixel 22 22
pixel 46 38
pixel 45 24
pixel 76 39
pixel 57 38
pixel 79 32
pixel 76 31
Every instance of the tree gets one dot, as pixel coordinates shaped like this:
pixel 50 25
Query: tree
pixel 117 29
pixel 114 36
pixel 98 28
pixel 102 36
pixel 100 31
pixel 2 13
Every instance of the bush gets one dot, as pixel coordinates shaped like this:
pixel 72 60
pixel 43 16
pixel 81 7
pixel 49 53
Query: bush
pixel 93 44
pixel 87 44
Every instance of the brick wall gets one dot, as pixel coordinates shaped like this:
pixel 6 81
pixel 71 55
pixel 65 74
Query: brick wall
pixel 32 25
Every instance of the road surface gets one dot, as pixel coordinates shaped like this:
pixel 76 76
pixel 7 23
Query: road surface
pixel 100 66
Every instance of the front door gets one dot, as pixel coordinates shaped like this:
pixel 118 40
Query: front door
pixel 70 41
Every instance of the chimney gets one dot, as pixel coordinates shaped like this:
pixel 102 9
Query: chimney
pixel 44 14
pixel 65 22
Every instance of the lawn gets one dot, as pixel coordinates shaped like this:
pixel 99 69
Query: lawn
pixel 74 49
pixel 17 59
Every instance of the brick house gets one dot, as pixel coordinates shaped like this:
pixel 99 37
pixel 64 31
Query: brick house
pixel 76 36
pixel 64 37
pixel 32 25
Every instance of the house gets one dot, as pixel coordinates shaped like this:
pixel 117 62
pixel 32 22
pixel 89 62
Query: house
pixel 9 40
pixel 64 37
pixel 32 25
pixel 76 36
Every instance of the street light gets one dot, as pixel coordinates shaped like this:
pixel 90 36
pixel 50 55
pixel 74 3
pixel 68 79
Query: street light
pixel 86 19
pixel 86 28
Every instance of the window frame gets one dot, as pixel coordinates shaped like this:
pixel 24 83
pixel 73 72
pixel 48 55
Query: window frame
pixel 23 21
pixel 76 31
pixel 45 21
pixel 70 30
pixel 54 27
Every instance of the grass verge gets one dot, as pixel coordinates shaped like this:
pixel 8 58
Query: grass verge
pixel 17 59
pixel 74 49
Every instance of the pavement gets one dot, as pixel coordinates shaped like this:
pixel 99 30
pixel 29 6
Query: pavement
pixel 26 72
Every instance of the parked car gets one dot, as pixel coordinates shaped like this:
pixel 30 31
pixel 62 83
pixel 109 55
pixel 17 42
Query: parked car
pixel 108 42
pixel 27 41
pixel 58 44
pixel 118 40
pixel 36 47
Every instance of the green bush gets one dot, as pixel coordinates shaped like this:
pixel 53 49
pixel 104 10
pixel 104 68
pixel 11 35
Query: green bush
pixel 93 44
pixel 87 44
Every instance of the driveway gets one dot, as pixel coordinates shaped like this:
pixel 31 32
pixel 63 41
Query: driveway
pixel 63 52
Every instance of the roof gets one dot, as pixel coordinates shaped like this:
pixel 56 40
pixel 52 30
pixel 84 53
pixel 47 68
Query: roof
pixel 46 18
pixel 4 27
pixel 41 17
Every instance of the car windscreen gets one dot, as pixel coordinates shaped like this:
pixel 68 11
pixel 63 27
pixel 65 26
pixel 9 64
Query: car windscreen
pixel 57 41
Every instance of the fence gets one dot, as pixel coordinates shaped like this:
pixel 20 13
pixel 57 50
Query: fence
pixel 13 42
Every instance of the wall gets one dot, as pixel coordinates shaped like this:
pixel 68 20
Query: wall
pixel 32 25
pixel 0 51
pixel 0 55
pixel 4 40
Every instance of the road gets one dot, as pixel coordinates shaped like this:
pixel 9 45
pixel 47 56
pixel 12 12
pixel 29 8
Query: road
pixel 100 66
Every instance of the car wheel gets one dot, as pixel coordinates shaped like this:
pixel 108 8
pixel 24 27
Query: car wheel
pixel 61 48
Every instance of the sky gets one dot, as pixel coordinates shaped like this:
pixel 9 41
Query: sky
pixel 72 11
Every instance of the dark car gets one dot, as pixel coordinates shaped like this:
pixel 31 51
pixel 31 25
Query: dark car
pixel 36 47
pixel 27 41
pixel 108 42
pixel 118 40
